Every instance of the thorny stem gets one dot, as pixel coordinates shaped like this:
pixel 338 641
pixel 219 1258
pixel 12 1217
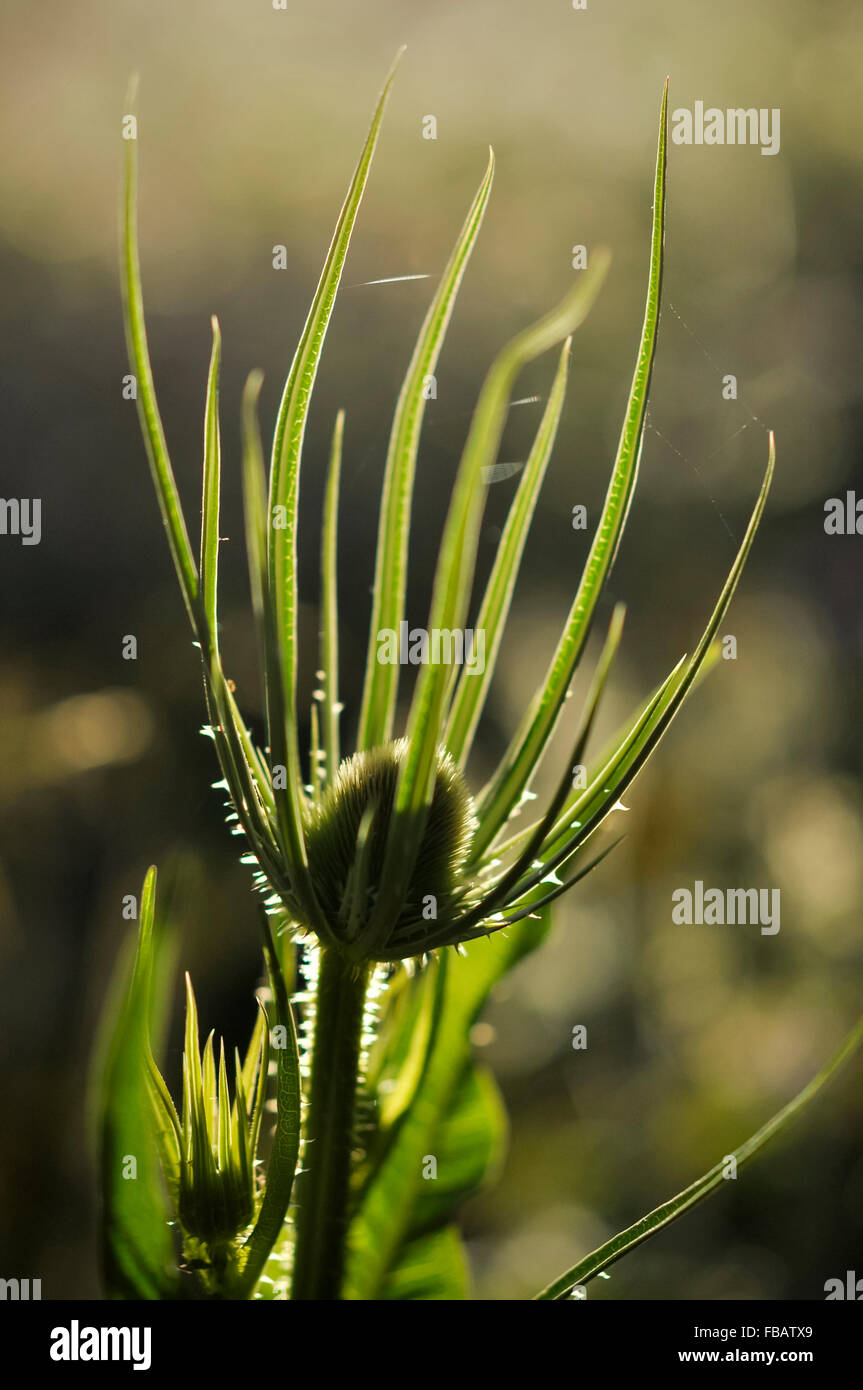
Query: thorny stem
pixel 322 1216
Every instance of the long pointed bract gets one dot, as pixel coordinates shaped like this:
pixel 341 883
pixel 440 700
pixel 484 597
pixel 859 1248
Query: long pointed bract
pixel 148 407
pixel 255 511
pixel 284 486
pixel 330 605
pixel 522 757
pixel 209 569
pixel 381 680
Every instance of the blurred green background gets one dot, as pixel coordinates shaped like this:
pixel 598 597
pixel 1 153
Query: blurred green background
pixel 250 121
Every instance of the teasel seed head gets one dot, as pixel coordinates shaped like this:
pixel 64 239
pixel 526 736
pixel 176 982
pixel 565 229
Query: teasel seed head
pixel 346 841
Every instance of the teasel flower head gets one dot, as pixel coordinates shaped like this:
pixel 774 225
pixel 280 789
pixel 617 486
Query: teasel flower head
pixel 346 839
pixel 387 856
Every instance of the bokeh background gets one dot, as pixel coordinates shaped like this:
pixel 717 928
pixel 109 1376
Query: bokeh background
pixel 250 120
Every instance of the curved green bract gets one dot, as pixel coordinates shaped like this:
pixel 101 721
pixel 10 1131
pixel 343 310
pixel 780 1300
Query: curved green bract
pixel 663 1216
pixel 148 406
pixel 518 765
pixel 209 568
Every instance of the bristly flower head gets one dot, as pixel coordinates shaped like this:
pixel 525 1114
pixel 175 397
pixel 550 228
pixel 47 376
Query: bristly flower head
pixel 346 840
pixel 386 856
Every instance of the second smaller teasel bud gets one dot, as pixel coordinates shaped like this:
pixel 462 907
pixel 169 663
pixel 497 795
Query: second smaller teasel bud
pixel 208 1150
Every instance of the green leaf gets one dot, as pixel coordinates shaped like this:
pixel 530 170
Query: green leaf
pixel 432 1268
pixel 390 1203
pixel 467 1146
pixel 330 604
pixel 452 588
pixel 520 762
pixel 284 487
pixel 148 406
pixel 661 1217
pixel 407 1039
pixel 137 1248
pixel 381 682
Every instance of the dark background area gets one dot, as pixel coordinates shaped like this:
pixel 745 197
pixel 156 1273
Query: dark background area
pixel 250 121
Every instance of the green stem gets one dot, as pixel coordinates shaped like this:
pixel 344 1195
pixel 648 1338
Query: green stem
pixel 322 1189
